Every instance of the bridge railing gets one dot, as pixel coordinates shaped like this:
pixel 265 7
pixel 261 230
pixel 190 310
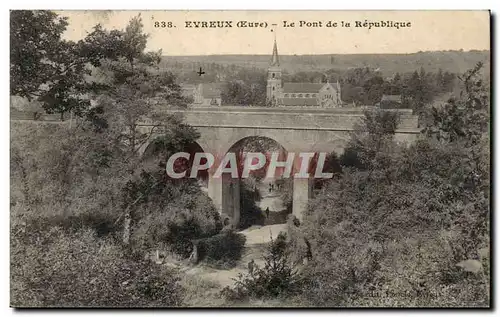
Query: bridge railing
pixel 291 109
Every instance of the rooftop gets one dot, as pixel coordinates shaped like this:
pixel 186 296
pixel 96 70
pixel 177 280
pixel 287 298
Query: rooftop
pixel 394 98
pixel 299 101
pixel 302 87
pixel 212 90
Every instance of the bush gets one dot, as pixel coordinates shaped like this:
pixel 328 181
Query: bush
pixel 397 234
pixel 58 269
pixel 221 250
pixel 414 272
pixel 276 278
pixel 175 223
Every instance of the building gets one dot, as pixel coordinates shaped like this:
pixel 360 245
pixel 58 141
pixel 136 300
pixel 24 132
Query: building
pixel 209 94
pixel 188 90
pixel 390 102
pixel 278 93
pixel 203 95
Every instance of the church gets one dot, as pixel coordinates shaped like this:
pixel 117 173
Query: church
pixel 280 94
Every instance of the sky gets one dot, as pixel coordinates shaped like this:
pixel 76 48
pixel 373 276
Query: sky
pixel 429 31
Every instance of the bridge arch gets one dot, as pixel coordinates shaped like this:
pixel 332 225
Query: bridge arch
pixel 243 199
pixel 154 148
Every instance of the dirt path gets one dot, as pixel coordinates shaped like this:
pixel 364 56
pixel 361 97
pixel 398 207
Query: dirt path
pixel 256 242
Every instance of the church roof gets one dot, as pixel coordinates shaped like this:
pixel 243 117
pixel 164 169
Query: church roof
pixel 187 86
pixel 299 101
pixel 393 98
pixel 302 87
pixel 188 89
pixel 211 90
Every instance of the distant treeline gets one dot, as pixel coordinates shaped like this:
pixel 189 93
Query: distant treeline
pixel 359 86
pixel 389 64
pixel 363 86
pixel 419 78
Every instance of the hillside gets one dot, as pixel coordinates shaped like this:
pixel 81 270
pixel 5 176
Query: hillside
pixel 452 61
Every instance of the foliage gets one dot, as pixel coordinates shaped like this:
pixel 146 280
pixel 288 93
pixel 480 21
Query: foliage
pixel 247 88
pixel 84 183
pixel 276 278
pixel 65 76
pixel 222 250
pixel 371 141
pixel 172 216
pixel 71 182
pixel 53 268
pixel 92 186
pixel 419 83
pixel 466 117
pixel 397 226
pixel 401 221
pixel 30 46
pixel 79 165
pixel 51 70
pixel 200 292
pixel 138 90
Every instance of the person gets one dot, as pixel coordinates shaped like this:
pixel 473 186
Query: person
pixel 228 226
pixel 251 266
pixel 193 257
pixel 267 212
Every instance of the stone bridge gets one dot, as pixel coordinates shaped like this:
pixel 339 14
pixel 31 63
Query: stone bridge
pixel 296 130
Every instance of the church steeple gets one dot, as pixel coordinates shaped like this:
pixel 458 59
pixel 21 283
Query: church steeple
pixel 275 61
pixel 274 85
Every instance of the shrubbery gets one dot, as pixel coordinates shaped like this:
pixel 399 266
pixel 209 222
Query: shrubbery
pixel 173 222
pixel 222 250
pixel 406 226
pixel 54 268
pixel 276 278
pixel 69 195
pixel 397 234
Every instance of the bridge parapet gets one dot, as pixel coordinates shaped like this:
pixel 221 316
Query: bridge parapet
pixel 342 119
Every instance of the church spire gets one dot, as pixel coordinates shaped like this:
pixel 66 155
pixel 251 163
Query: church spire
pixel 275 61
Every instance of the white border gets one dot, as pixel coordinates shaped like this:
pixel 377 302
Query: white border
pixel 193 5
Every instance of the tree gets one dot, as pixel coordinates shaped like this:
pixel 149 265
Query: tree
pixel 134 40
pixel 466 117
pixel 32 49
pixel 372 139
pixel 246 87
pixel 54 71
pixel 373 88
pixel 135 89
pixel 141 92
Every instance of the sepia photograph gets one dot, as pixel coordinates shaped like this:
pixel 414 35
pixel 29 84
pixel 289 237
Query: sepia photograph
pixel 250 159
